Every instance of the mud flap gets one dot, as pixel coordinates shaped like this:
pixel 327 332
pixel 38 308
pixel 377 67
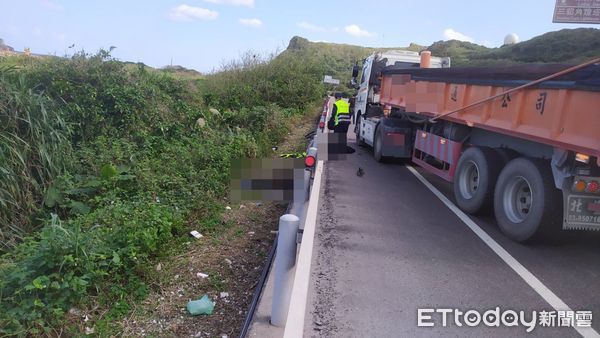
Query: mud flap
pixel 397 139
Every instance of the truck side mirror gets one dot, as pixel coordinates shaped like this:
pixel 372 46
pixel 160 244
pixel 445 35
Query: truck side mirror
pixel 355 71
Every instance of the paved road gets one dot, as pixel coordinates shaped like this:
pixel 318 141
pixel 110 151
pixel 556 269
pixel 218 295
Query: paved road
pixel 387 246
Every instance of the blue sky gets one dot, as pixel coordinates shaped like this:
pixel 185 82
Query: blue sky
pixel 201 34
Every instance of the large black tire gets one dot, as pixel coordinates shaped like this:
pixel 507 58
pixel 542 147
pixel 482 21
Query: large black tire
pixel 527 205
pixel 475 179
pixel 378 145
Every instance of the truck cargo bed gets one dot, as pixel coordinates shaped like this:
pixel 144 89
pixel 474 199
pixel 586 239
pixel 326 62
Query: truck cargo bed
pixel 563 112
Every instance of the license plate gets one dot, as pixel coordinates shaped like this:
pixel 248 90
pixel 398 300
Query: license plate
pixel 583 210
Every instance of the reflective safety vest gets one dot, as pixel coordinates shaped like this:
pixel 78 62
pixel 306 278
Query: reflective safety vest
pixel 342 113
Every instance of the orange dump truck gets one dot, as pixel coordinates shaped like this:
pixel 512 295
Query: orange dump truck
pixel 521 141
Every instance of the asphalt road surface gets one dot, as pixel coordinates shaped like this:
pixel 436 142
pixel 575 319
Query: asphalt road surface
pixel 387 246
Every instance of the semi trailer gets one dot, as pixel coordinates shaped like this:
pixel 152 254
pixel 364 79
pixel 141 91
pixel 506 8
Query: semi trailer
pixel 521 142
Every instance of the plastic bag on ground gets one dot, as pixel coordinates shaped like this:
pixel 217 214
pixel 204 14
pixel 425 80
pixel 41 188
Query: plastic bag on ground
pixel 202 306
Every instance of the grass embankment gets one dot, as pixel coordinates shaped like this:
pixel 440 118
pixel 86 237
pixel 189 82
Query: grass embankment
pixel 104 168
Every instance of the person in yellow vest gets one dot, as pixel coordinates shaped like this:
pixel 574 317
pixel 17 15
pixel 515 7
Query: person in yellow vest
pixel 340 115
pixel 339 123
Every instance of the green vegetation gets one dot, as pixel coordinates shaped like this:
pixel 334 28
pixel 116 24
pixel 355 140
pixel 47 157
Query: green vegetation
pixel 564 46
pixel 287 80
pixel 335 59
pixel 105 166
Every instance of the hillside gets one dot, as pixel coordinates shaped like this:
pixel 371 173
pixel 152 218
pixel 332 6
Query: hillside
pixel 564 46
pixel 5 47
pixel 106 167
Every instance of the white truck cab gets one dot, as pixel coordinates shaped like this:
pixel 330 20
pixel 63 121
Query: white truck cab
pixel 367 108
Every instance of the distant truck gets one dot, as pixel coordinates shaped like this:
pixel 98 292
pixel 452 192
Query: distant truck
pixel 527 150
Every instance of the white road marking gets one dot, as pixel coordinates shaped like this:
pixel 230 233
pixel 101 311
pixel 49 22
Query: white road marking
pixel 527 276
pixel 294 326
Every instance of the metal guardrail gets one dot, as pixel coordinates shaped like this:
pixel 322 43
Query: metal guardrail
pixel 325 112
pixel 290 234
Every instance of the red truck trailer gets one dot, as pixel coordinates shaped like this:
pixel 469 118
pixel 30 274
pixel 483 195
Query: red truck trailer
pixel 522 141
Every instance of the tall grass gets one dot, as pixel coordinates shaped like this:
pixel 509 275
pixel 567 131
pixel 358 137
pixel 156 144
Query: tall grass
pixel 258 80
pixel 34 145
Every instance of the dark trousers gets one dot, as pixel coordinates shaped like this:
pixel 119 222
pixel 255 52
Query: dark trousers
pixel 342 127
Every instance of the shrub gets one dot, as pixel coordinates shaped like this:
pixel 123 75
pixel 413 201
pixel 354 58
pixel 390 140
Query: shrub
pixel 285 80
pixel 34 148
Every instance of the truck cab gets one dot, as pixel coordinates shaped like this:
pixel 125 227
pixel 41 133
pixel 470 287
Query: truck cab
pixel 368 111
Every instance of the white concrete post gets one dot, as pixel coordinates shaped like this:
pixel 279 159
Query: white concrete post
pixel 285 259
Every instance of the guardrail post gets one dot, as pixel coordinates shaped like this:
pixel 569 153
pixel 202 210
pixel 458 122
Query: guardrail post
pixel 285 259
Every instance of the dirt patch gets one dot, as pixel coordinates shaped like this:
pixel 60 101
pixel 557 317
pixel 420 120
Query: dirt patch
pixel 233 261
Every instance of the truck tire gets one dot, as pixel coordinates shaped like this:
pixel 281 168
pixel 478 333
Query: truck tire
pixel 378 145
pixel 475 179
pixel 359 140
pixel 527 205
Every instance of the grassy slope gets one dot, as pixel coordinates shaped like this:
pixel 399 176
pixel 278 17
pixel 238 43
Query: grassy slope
pixel 141 160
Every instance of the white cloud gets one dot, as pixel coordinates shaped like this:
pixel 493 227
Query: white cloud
pixel 354 30
pixel 251 22
pixel 248 3
pixel 51 5
pixel 451 34
pixel 310 27
pixel 189 13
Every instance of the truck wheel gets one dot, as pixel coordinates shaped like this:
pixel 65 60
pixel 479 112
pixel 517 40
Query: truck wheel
pixel 526 202
pixel 475 178
pixel 378 145
pixel 359 139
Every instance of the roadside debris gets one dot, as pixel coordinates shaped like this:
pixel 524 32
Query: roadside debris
pixel 224 294
pixel 228 261
pixel 201 275
pixel 89 330
pixel 228 208
pixel 201 122
pixel 201 306
pixel 196 234
pixel 75 312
